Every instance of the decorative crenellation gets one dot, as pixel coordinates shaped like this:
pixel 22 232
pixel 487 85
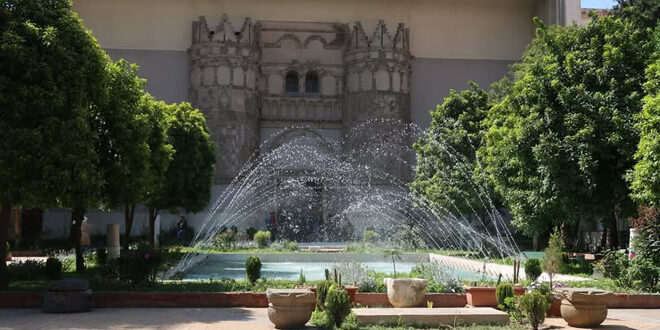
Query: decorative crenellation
pixel 225 32
pixel 381 38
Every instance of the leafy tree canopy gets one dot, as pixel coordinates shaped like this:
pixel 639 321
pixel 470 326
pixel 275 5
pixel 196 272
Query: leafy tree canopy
pixel 189 174
pixel 644 12
pixel 645 178
pixel 560 143
pixel 447 165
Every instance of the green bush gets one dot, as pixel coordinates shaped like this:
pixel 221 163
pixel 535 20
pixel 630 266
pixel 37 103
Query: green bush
pixel 262 238
pixel 139 266
pixel 53 269
pixel 643 274
pixel 533 269
pixel 26 270
pixel 320 319
pixel 534 305
pixel 337 305
pixel 253 268
pixel 101 256
pixel 321 292
pixel 502 292
pixel 249 232
pixel 614 264
pixel 290 245
pixel 225 240
pixel 370 237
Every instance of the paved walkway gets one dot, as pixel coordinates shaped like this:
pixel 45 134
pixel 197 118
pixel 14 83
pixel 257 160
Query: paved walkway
pixel 236 318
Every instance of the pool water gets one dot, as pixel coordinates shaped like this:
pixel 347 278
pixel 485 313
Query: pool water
pixel 288 267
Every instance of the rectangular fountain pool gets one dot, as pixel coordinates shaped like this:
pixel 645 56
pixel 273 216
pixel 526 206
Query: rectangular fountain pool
pixel 313 265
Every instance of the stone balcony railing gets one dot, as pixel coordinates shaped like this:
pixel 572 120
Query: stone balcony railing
pixel 301 108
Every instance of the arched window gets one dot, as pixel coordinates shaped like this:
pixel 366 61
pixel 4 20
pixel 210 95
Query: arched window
pixel 312 82
pixel 292 82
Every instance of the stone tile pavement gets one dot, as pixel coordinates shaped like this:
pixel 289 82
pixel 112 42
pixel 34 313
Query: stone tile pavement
pixel 235 318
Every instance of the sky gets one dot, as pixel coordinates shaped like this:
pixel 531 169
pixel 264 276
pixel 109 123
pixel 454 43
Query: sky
pixel 598 3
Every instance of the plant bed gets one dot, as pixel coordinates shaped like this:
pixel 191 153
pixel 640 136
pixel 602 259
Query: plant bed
pixel 485 296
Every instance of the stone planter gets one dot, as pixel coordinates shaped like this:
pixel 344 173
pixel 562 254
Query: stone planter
pixel 584 308
pixel 485 296
pixel 406 292
pixel 290 308
pixel 66 296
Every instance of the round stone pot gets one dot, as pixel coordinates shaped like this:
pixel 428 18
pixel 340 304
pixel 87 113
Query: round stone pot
pixel 290 308
pixel 584 308
pixel 406 292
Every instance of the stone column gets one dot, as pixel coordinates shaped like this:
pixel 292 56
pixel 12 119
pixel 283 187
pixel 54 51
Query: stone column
pixel 112 244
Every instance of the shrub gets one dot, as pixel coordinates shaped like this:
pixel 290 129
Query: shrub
pixel 533 269
pixel 249 232
pixel 643 274
pixel 101 256
pixel 53 269
pixel 262 238
pixel 369 237
pixel 26 270
pixel 320 319
pixel 253 268
pixel 553 258
pixel 534 305
pixel 614 264
pixel 140 266
pixel 647 242
pixel 290 245
pixel 225 240
pixel 440 279
pixel 337 305
pixel 321 292
pixel 502 292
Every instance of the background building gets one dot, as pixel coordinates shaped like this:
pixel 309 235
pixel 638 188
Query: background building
pixel 256 66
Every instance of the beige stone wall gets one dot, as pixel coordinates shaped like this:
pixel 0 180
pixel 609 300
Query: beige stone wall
pixel 460 29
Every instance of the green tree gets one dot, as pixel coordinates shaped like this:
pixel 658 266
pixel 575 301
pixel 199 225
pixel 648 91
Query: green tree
pixel 559 145
pixel 644 12
pixel 553 257
pixel 51 81
pixel 189 175
pixel 161 152
pixel 447 171
pixel 123 143
pixel 645 177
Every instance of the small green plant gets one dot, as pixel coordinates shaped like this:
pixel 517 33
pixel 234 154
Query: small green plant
pixel 249 232
pixel 320 319
pixel 369 237
pixel 553 258
pixel 225 240
pixel 534 305
pixel 262 238
pixel 53 268
pixel 101 256
pixel 321 292
pixel 429 304
pixel 395 255
pixel 502 292
pixel 253 268
pixel 643 274
pixel 533 269
pixel 301 279
pixel 337 305
pixel 290 245
pixel 350 323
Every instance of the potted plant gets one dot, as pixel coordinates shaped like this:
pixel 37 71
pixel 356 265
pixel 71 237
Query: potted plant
pixel 404 292
pixel 485 296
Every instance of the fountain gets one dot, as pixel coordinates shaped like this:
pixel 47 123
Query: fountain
pixel 320 190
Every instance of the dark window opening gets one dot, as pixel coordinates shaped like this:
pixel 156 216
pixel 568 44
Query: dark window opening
pixel 292 82
pixel 312 82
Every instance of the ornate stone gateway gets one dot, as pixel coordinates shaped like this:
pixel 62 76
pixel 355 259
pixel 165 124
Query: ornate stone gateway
pixel 275 74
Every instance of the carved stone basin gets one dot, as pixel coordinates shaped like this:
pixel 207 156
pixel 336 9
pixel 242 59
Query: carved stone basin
pixel 406 292
pixel 290 308
pixel 584 307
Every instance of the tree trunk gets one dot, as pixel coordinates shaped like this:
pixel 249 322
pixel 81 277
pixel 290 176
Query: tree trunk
pixel 77 213
pixel 153 213
pixel 129 211
pixel 614 233
pixel 5 212
pixel 603 240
